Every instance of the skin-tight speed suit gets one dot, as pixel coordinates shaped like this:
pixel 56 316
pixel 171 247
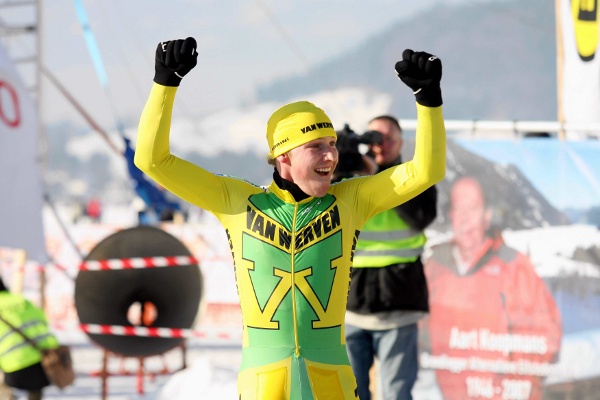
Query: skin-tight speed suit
pixel 292 259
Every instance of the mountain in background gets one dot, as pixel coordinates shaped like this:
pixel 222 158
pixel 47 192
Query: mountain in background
pixel 499 61
pixel 516 204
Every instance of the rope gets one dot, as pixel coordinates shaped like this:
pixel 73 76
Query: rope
pixel 156 332
pixel 94 51
pixel 136 263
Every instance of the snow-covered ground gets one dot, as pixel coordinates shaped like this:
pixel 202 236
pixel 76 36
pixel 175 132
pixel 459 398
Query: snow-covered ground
pixel 211 370
pixel 213 356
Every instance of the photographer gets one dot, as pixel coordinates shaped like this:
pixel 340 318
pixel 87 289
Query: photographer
pixel 351 161
pixel 388 292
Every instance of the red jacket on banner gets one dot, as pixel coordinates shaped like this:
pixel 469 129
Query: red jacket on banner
pixel 494 328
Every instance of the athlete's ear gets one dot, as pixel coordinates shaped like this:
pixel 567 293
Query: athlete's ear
pixel 285 158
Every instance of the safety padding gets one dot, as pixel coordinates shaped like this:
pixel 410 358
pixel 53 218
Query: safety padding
pixel 104 296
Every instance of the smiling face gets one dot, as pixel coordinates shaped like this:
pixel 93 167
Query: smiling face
pixel 310 165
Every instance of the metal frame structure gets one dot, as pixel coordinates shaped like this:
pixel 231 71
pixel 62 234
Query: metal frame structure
pixel 21 35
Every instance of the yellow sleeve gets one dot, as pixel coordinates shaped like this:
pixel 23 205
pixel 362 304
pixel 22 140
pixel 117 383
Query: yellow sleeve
pixel 399 184
pixel 186 180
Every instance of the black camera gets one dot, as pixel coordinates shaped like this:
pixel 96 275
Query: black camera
pixel 350 160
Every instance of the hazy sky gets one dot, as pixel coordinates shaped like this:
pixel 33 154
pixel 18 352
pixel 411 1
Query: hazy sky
pixel 567 173
pixel 241 44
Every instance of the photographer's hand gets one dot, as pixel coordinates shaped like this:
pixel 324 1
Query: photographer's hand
pixel 422 72
pixel 173 60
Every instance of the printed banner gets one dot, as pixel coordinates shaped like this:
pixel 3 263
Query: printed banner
pixel 20 180
pixel 513 268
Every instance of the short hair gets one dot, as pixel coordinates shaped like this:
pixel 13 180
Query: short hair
pixel 475 182
pixel 386 117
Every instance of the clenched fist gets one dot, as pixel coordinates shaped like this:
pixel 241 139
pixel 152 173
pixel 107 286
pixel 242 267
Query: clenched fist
pixel 173 60
pixel 422 72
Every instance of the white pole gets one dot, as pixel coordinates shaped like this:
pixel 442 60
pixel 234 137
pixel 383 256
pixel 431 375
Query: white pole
pixel 559 68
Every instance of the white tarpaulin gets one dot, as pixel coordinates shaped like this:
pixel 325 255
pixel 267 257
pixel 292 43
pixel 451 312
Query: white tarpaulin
pixel 21 199
pixel 579 81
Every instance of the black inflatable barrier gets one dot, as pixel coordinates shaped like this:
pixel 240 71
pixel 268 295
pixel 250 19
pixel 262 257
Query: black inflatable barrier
pixel 104 297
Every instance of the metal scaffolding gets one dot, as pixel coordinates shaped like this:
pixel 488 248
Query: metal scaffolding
pixel 21 37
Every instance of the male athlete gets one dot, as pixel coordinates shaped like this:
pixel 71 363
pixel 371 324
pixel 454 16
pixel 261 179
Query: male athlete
pixel 292 242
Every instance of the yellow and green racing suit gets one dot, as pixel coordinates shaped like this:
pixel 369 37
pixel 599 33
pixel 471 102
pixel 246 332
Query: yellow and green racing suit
pixel 292 259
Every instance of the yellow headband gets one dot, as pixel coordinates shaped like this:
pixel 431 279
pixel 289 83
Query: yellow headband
pixel 296 124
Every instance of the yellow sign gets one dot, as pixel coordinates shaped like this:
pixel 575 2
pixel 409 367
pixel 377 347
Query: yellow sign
pixel 585 22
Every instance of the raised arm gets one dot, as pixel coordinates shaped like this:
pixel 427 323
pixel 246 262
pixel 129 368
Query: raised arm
pixel 174 59
pixel 422 72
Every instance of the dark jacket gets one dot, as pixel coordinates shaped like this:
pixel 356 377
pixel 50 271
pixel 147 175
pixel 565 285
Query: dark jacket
pixel 397 286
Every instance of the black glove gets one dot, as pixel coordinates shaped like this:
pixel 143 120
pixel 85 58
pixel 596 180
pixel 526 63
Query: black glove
pixel 422 72
pixel 173 60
